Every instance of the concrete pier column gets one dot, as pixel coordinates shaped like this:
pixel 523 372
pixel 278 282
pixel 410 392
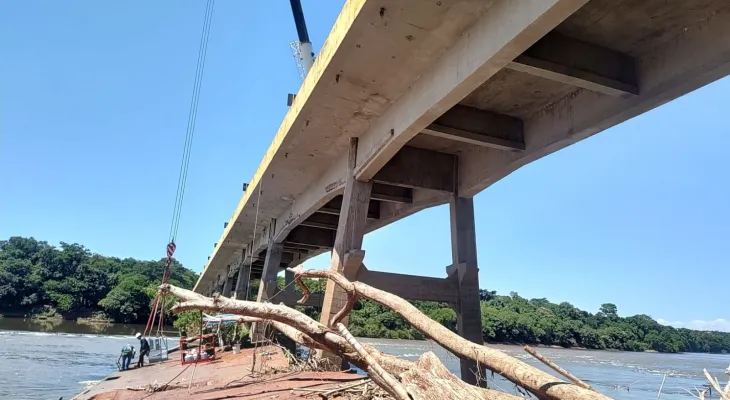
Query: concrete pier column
pixel 289 284
pixel 227 283
pixel 465 267
pixel 350 232
pixel 267 286
pixel 244 274
pixel 272 263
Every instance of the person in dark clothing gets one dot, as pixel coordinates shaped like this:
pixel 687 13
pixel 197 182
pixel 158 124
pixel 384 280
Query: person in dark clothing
pixel 144 349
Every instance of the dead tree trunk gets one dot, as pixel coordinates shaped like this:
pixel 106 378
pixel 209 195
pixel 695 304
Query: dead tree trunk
pixel 537 382
pixel 289 321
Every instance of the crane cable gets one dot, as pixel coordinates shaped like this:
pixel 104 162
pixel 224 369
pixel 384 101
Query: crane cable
pixel 184 164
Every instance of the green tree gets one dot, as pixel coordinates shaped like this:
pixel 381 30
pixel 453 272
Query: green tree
pixel 608 310
pixel 72 280
pixel 128 301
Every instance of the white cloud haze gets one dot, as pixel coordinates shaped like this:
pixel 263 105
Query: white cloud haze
pixel 719 324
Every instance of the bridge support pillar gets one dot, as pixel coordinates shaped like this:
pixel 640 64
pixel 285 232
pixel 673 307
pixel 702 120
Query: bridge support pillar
pixel 466 272
pixel 348 240
pixel 244 274
pixel 267 286
pixel 289 283
pixel 227 284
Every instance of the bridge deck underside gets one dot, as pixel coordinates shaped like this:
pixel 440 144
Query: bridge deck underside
pixel 436 114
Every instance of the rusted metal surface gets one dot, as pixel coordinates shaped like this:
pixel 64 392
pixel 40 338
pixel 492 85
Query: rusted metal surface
pixel 229 377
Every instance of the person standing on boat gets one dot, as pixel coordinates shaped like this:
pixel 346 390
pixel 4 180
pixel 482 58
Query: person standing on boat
pixel 144 349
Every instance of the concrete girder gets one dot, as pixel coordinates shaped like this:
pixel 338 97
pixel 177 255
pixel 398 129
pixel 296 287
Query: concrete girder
pixel 291 299
pixel 321 221
pixel 306 235
pixel 327 187
pixel 484 49
pixel 299 248
pixel 412 287
pixel 286 257
pixel 479 127
pixel 695 58
pixel 392 194
pixel 683 48
pixel 580 64
pixel 255 250
pixel 334 207
pixel 295 119
pixel 418 168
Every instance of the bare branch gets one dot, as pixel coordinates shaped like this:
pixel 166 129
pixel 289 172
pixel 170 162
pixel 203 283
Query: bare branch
pixel 559 369
pixel 315 335
pixel 539 383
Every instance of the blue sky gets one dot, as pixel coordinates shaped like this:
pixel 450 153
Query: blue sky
pixel 94 99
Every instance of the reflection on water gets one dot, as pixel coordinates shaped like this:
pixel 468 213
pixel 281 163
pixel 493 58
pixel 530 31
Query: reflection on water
pixel 50 359
pixel 63 326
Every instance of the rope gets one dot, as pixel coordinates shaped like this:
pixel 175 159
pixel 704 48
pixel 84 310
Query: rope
pixel 282 289
pixel 184 166
pixel 192 116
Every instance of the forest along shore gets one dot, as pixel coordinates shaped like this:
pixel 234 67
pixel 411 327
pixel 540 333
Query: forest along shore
pixel 53 282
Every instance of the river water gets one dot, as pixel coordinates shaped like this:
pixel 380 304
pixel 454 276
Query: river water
pixel 50 360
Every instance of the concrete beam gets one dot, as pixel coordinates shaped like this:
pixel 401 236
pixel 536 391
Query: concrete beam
pixel 308 236
pixel 291 299
pixel 307 99
pixel 692 59
pixel 335 205
pixel 328 186
pixel 417 168
pixel 298 248
pixel 577 63
pixel 321 220
pixel 412 287
pixel 479 127
pixel 256 249
pixel 391 194
pixel 505 31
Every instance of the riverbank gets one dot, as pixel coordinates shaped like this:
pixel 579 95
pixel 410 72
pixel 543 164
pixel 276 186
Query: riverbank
pixel 229 376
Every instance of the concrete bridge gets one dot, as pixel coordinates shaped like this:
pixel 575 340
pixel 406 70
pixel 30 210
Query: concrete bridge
pixel 416 103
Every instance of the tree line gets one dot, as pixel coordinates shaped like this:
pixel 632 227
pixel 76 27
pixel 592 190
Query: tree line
pixel 513 318
pixel 516 320
pixel 72 281
pixel 69 280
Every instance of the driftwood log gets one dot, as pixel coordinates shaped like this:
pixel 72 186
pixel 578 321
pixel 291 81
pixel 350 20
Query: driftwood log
pixel 539 383
pixel 426 379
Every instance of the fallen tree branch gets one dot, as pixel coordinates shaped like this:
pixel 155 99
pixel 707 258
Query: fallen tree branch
pixel 286 319
pixel 309 332
pixel 543 385
pixel 393 364
pixel 387 381
pixel 716 385
pixel 559 369
pixel 431 380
